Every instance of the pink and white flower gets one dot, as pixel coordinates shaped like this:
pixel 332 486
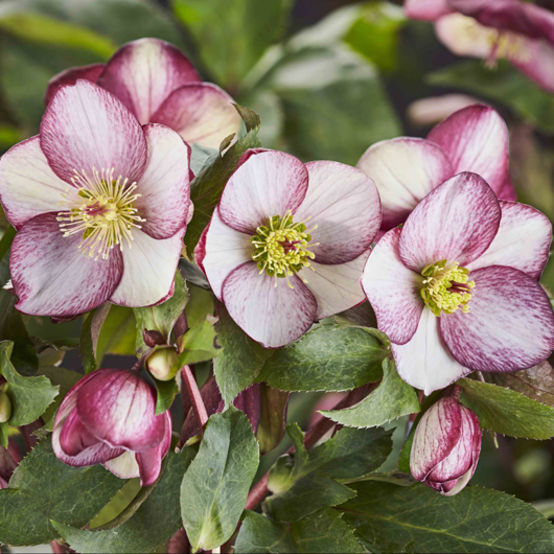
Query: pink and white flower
pixel 287 243
pixel 405 169
pixel 109 418
pixel 520 32
pixel 100 205
pixel 158 84
pixel 455 288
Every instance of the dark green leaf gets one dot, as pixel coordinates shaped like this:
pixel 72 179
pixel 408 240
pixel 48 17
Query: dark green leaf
pixel 166 393
pixel 64 379
pixel 5 244
pixel 216 484
pixel 198 344
pixel 118 333
pixel 258 534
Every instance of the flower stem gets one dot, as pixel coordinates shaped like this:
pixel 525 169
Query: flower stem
pixel 195 396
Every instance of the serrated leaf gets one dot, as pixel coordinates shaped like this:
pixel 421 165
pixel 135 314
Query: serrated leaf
pixel 330 357
pixel 258 534
pixel 507 411
pixel 149 529
pixel 392 399
pixel 30 396
pixel 390 518
pixel 216 484
pixel 64 379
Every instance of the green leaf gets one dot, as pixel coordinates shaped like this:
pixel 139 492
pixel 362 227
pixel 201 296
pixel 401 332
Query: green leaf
pixel 200 306
pixel 64 379
pixel 166 393
pixel 216 484
pixel 149 529
pixel 330 357
pixel 503 84
pixel 90 332
pixel 42 488
pixel 392 399
pixel 258 534
pixel 118 333
pixel 30 396
pixel 390 518
pixel 507 411
pixel 198 344
pixel 238 364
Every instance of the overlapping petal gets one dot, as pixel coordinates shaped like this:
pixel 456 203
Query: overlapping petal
pixel 71 76
pixel 428 10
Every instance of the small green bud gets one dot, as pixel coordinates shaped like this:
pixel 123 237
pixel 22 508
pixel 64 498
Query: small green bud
pixel 163 363
pixel 5 407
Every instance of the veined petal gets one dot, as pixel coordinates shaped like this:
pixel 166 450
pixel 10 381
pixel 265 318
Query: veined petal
pixel 266 183
pixel 28 187
pixel 392 290
pixel 428 10
pixel 143 73
pixel 220 250
pixel 164 187
pixel 336 287
pixel 455 222
pixel 149 266
pixel 266 308
pixel 150 461
pixel 404 171
pixel 52 277
pixel 201 113
pixel 343 205
pixel 85 127
pixel 71 76
pixel 476 139
pixel 522 242
pixel 509 326
pixel 424 361
pixel 537 63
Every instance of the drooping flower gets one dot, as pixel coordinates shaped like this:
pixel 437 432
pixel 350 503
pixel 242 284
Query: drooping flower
pixel 158 84
pixel 405 169
pixel 287 243
pixel 446 447
pixel 109 418
pixel 100 204
pixel 518 31
pixel 455 288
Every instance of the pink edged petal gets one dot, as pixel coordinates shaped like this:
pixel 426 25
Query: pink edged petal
pixel 70 76
pixel 124 466
pixel 392 290
pixel 201 113
pixel 509 326
pixel 522 242
pixel 343 205
pixel 428 10
pixel 165 185
pixel 143 73
pixel 266 183
pixel 424 361
pixel 335 287
pixel 267 308
pixel 455 222
pixel 148 270
pixel 404 171
pixel 537 62
pixel 220 250
pixel 150 461
pixel 476 139
pixel 28 187
pixel 52 277
pixel 85 127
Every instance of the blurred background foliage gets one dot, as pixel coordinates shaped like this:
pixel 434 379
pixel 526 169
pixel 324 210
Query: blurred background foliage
pixel 328 78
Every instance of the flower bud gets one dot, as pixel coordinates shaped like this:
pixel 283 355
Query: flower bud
pixel 109 418
pixel 446 447
pixel 5 407
pixel 163 363
pixel 152 338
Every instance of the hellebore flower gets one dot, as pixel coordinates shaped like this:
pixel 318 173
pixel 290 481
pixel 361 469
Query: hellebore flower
pixel 158 84
pixel 109 418
pixel 455 288
pixel 520 32
pixel 287 243
pixel 446 447
pixel 100 204
pixel 405 169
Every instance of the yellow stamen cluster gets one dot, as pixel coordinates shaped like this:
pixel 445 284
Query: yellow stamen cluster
pixel 445 288
pixel 281 247
pixel 510 46
pixel 106 215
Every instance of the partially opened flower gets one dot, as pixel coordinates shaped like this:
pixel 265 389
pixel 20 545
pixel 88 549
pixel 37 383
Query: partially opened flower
pixel 455 288
pixel 100 204
pixel 518 31
pixel 158 84
pixel 405 169
pixel 287 243
pixel 109 418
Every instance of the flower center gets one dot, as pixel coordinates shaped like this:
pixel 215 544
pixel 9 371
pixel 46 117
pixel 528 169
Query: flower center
pixel 446 287
pixel 281 246
pixel 508 45
pixel 107 214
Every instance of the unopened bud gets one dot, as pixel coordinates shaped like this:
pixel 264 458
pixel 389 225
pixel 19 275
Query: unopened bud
pixel 152 338
pixel 446 447
pixel 163 363
pixel 5 407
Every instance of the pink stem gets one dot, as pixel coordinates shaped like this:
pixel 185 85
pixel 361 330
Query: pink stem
pixel 195 396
